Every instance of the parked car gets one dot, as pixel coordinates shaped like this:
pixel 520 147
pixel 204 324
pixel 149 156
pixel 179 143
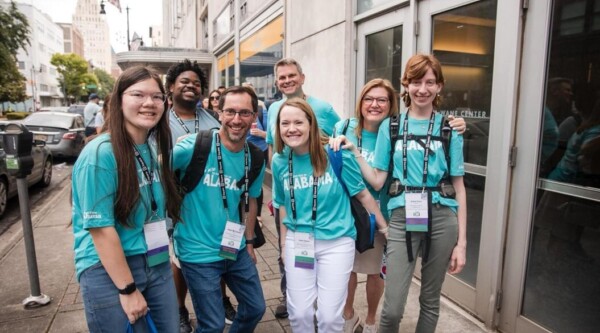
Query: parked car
pixel 64 133
pixel 76 108
pixel 41 173
pixel 55 108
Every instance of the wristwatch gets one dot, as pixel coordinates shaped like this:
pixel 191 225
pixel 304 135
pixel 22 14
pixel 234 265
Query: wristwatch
pixel 250 241
pixel 128 290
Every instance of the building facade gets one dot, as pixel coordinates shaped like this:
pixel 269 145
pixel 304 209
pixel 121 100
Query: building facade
pixel 46 38
pixel 73 39
pixel 92 25
pixel 526 77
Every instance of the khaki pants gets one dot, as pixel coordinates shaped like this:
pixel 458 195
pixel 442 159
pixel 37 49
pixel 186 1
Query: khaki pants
pixel 400 271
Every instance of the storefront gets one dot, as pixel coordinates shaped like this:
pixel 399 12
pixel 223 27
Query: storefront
pixel 247 51
pixel 532 154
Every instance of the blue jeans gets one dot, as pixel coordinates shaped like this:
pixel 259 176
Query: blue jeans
pixel 204 284
pixel 103 310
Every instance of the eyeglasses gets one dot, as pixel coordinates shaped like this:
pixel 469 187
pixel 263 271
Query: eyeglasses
pixel 139 97
pixel 380 101
pixel 214 98
pixel 230 113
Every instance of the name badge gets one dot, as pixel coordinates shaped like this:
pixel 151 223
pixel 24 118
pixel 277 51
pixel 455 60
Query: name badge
pixel 417 210
pixel 157 241
pixel 232 240
pixel 304 250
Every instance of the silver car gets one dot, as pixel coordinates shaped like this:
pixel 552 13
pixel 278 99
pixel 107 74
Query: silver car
pixel 40 175
pixel 64 133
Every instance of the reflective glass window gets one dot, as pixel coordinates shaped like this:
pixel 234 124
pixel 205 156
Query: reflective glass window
pixel 258 55
pixel 463 41
pixel 384 56
pixel 365 5
pixel 563 268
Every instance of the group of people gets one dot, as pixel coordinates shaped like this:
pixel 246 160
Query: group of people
pixel 127 197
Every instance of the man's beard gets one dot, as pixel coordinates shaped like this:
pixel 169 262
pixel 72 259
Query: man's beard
pixel 180 101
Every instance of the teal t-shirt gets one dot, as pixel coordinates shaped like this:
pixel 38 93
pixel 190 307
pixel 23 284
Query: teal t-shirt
pixel 205 122
pixel 334 219
pixel 94 194
pixel 326 117
pixel 369 139
pixel 415 155
pixel 198 238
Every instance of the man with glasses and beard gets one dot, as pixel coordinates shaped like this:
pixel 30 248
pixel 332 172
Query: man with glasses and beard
pixel 215 239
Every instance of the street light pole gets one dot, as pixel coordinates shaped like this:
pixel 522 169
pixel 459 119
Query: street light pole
pixel 128 43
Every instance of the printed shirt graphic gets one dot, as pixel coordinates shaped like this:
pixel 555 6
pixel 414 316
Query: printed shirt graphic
pixel 334 219
pixel 415 155
pixel 198 237
pixel 94 192
pixel 369 139
pixel 326 117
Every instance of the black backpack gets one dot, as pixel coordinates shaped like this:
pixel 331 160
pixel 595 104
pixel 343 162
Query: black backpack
pixel 195 171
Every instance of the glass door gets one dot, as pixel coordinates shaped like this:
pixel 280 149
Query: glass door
pixel 462 35
pixel 554 228
pixel 383 45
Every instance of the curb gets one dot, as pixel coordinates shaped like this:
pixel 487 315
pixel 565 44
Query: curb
pixel 17 229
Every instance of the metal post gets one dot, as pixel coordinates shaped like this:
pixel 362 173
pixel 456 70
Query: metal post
pixel 36 298
pixel 128 43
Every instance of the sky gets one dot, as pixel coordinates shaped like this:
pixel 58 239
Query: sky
pixel 142 14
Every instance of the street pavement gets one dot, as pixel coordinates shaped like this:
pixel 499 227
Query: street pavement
pixel 65 314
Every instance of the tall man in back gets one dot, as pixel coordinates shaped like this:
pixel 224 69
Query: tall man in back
pixel 290 79
pixel 214 239
pixel 186 83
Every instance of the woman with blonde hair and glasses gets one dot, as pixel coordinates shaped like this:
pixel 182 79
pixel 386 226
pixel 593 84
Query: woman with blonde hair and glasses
pixel 317 233
pixel 122 190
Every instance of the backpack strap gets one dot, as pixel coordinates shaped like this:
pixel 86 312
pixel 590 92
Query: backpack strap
pixel 446 133
pixel 394 133
pixel 336 161
pixel 195 169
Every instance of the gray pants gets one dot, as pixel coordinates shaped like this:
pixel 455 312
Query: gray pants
pixel 400 271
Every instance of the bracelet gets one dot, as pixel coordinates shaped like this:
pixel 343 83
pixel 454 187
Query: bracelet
pixel 383 231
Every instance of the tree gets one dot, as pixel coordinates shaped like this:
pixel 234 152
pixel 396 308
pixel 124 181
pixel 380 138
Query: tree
pixel 106 82
pixel 14 35
pixel 74 76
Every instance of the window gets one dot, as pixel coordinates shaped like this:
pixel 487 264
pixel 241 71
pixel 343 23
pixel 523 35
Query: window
pixel 365 5
pixel 572 18
pixel 21 64
pixel 222 25
pixel 258 54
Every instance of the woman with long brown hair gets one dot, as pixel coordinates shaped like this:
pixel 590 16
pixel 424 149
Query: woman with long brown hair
pixel 122 190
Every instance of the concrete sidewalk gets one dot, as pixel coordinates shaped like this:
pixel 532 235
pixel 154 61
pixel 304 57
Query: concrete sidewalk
pixel 54 239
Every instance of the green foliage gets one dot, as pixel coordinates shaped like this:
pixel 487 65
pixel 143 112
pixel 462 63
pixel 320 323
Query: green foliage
pixel 15 29
pixel 17 115
pixel 74 75
pixel 14 35
pixel 106 82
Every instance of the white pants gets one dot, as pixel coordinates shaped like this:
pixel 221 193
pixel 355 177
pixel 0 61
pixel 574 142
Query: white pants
pixel 327 283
